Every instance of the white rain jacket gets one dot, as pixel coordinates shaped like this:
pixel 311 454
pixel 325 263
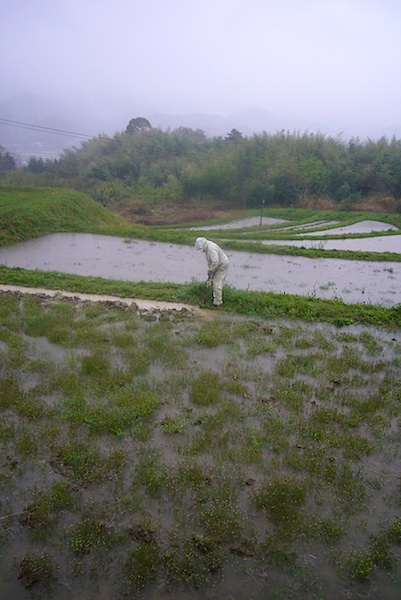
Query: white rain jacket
pixel 214 254
pixel 217 264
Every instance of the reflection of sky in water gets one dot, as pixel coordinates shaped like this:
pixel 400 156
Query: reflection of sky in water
pixel 383 243
pixel 115 258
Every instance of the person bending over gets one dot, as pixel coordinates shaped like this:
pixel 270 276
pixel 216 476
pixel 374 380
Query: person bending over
pixel 217 265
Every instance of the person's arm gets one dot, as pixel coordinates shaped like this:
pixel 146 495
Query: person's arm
pixel 213 262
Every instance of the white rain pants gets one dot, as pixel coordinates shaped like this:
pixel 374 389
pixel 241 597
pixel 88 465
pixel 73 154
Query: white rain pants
pixel 218 282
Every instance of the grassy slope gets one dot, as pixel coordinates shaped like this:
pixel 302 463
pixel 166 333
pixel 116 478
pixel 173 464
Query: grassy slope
pixel 30 212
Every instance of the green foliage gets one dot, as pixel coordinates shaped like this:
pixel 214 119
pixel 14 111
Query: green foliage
pixel 206 389
pixel 37 568
pixel 282 498
pixel 183 164
pixel 142 566
pixel 31 212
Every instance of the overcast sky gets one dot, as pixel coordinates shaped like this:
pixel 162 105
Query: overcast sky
pixel 318 60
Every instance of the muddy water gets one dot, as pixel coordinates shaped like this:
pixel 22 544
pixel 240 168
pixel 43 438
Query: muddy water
pixel 380 243
pixel 136 260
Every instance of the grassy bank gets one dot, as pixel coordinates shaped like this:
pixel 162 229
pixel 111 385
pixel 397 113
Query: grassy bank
pixel 266 305
pixel 26 213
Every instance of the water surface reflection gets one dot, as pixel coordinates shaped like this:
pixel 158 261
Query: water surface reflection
pixel 138 260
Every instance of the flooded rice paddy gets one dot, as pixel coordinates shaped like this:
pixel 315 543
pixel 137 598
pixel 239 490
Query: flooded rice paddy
pixel 138 260
pixel 176 457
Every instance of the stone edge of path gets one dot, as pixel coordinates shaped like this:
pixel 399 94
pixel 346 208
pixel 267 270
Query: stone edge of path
pixel 138 304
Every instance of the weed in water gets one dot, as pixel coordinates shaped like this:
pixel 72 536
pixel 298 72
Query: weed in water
pixel 190 560
pixel 90 533
pixel 40 517
pixel 221 519
pixel 35 568
pixel 370 343
pixel 173 424
pixel 206 389
pixel 324 529
pixel 142 566
pixel 380 552
pixel 30 406
pixel 95 365
pixel 151 474
pixel 359 564
pixel 83 461
pixel 16 354
pixel 291 394
pixel 213 334
pixel 10 391
pixel 282 498
pixel 349 488
pixel 393 531
pixel 26 442
pixel 138 360
pixel 124 409
pixel 274 550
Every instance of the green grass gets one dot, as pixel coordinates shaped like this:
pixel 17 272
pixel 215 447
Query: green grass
pixel 258 304
pixel 164 475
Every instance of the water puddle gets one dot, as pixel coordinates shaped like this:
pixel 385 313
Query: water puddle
pixel 139 260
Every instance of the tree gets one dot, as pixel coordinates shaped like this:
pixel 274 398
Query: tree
pixel 196 135
pixel 7 163
pixel 104 192
pixel 36 165
pixel 234 135
pixel 137 125
pixel 313 174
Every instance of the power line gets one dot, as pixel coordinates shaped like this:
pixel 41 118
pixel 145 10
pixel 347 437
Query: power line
pixel 83 136
pixel 44 129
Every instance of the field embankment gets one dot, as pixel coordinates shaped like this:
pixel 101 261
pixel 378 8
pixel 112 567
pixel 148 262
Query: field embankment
pixel 31 212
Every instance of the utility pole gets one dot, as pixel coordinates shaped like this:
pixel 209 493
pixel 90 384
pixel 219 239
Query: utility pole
pixel 263 199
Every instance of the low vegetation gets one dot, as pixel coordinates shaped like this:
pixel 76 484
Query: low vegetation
pixel 148 452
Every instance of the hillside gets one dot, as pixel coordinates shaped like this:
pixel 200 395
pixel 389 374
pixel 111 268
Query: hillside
pixel 27 212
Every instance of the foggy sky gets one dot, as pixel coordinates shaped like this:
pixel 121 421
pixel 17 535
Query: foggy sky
pixel 317 60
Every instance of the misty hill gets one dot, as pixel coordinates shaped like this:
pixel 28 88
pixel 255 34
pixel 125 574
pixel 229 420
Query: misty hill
pixel 42 112
pixel 90 121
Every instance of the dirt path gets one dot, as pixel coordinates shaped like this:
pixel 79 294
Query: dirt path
pixel 136 303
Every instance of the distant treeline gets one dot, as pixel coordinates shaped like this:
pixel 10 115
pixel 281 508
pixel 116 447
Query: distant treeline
pixel 285 168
